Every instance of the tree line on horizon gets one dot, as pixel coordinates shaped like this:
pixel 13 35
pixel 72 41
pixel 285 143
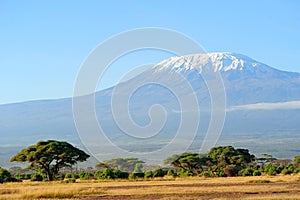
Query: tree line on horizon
pixel 53 160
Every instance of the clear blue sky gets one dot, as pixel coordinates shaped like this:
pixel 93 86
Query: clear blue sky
pixel 43 43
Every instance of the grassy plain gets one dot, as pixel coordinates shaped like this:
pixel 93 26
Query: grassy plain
pixel 264 187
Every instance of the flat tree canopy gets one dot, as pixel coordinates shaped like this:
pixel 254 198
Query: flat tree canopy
pixel 50 156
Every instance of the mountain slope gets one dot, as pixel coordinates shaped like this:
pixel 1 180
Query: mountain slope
pixel 245 80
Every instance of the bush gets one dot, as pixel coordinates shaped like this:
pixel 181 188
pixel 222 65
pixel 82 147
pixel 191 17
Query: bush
pixel 105 174
pixel 280 168
pixel 184 173
pixel 108 174
pixel 291 168
pixel 83 175
pixel 256 173
pixel 148 174
pixel 36 177
pixel 171 173
pixel 75 175
pixel 136 175
pixel 159 172
pixel 246 172
pixel 70 180
pixel 120 174
pixel 206 174
pixel 20 176
pixel 68 175
pixel 5 176
pixel 297 170
pixel 288 170
pixel 271 169
pixel 221 174
pixel 285 171
pixel 71 175
pixel 98 174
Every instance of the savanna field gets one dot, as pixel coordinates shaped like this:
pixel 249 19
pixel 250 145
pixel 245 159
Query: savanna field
pixel 260 187
pixel 222 173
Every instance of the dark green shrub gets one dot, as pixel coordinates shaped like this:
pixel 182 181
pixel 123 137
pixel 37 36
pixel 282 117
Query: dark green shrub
pixel 221 174
pixel 36 177
pixel 21 176
pixel 291 168
pixel 18 176
pixel 159 172
pixel 110 174
pixel 131 176
pixel 70 180
pixel 206 174
pixel 280 168
pixel 68 175
pixel 171 173
pixel 297 170
pixel 288 170
pixel 6 176
pixel 136 175
pixel 271 169
pixel 256 173
pixel 148 174
pixel 120 174
pixel 246 172
pixel 184 173
pixel 83 175
pixel 71 175
pixel 75 175
pixel 285 171
pixel 98 174
pixel 26 176
pixel 139 174
pixel 107 174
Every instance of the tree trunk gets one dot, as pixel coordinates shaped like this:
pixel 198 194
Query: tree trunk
pixel 48 173
pixel 49 176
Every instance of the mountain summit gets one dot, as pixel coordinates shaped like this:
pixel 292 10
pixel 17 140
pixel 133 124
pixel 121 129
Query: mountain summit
pixel 221 61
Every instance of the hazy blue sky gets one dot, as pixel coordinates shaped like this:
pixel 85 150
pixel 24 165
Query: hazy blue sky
pixel 43 43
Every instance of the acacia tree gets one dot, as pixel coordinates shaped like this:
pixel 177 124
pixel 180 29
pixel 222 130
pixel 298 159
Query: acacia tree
pixel 229 156
pixel 191 162
pixel 50 156
pixel 224 156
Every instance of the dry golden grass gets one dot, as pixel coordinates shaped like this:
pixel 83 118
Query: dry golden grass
pixel 264 187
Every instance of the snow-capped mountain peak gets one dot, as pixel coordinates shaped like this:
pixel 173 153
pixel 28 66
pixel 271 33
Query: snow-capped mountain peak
pixel 219 61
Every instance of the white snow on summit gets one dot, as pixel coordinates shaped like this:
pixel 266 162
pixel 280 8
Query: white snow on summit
pixel 220 61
